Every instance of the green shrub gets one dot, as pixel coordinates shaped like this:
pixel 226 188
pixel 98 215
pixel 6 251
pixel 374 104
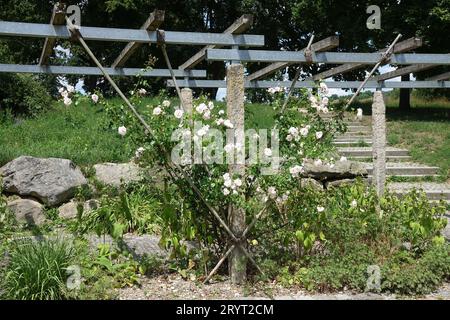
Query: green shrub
pixel 37 270
pixel 23 94
pixel 332 249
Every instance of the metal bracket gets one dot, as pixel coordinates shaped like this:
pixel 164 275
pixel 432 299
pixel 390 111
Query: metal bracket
pixel 160 37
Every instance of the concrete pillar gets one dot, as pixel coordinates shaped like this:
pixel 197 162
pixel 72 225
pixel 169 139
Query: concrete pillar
pixel 186 97
pixel 379 141
pixel 236 216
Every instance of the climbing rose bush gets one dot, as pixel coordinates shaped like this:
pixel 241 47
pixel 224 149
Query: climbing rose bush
pixel 302 133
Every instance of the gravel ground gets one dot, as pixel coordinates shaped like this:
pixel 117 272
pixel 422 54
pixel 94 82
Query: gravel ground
pixel 173 287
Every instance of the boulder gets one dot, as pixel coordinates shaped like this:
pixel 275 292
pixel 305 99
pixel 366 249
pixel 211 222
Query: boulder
pixel 311 183
pixel 116 174
pixel 52 181
pixel 69 210
pixel 338 171
pixel 27 211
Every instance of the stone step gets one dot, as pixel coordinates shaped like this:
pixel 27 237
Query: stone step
pixel 358 128
pixel 405 169
pixel 434 191
pixel 367 151
pixel 389 158
pixel 357 133
pixel 351 143
pixel 351 140
pixel 353 137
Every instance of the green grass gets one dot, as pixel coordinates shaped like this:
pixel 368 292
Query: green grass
pixel 78 133
pixel 75 133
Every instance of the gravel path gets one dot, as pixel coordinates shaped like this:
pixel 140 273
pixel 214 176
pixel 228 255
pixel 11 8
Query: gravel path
pixel 174 287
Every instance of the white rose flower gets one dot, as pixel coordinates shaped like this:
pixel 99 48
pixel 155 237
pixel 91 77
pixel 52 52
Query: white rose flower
pixel 166 103
pixel 219 121
pixel 353 204
pixel 289 138
pixel 157 111
pixel 325 101
pixel 323 89
pixel 227 123
pixel 313 99
pixel 64 94
pixel 142 92
pixel 226 191
pixel 122 131
pixel 226 176
pixel 70 89
pixel 272 192
pixel 178 113
pixel 94 98
pixel 67 101
pixel 295 170
pixel 319 134
pixel 293 131
pixel 304 131
pixel 201 108
pixel 228 183
pixel 237 182
pixel 221 112
pixel 139 152
pixel 320 209
pixel 61 90
pixel 207 115
pixel 210 105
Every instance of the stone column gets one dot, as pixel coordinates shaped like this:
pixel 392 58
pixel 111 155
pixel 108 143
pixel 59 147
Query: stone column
pixel 379 141
pixel 236 216
pixel 186 97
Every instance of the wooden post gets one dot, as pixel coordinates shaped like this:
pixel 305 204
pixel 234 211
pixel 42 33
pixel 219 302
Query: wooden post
pixel 186 96
pixel 235 112
pixel 379 141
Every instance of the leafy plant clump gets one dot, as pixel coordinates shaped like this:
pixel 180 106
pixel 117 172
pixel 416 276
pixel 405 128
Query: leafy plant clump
pixel 333 248
pixel 37 270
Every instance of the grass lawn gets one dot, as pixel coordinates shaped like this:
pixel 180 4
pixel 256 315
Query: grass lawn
pixel 78 133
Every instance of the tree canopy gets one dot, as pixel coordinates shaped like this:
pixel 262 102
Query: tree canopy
pixel 286 24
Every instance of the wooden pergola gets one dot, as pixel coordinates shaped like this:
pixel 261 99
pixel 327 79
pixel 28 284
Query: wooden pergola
pixel 61 27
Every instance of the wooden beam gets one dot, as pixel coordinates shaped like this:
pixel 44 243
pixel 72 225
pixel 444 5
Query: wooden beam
pixel 58 18
pixel 440 77
pixel 322 45
pixel 403 71
pixel 153 22
pixel 241 25
pixel 403 46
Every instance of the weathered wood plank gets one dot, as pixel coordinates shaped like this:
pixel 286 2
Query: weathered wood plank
pixel 153 22
pixel 403 46
pixel 322 45
pixel 58 18
pixel 241 25
pixel 402 71
pixel 440 77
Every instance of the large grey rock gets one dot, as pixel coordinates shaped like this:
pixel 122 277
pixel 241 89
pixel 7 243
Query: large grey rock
pixel 340 170
pixel 52 180
pixel 69 210
pixel 27 211
pixel 116 174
